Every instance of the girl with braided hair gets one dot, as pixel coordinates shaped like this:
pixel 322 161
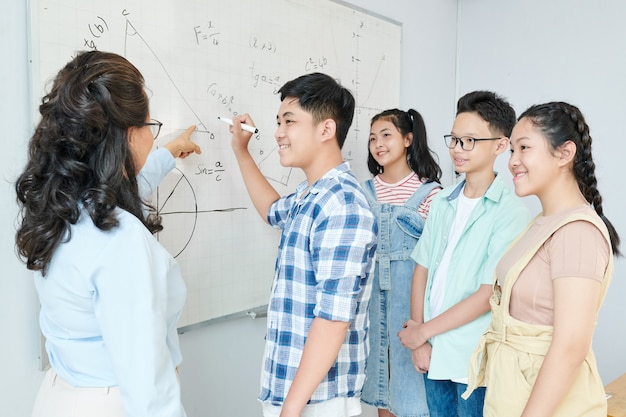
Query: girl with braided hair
pixel 406 178
pixel 536 358
pixel 110 294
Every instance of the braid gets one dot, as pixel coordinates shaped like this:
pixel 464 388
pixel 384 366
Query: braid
pixel 584 167
pixel 561 122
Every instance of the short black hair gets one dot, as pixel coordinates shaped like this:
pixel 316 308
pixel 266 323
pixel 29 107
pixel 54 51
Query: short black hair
pixel 491 107
pixel 323 97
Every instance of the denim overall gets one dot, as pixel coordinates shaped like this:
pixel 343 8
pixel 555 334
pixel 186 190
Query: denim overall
pixel 391 380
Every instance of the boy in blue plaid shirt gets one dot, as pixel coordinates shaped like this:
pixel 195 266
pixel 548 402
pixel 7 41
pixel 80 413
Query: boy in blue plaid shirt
pixel 316 344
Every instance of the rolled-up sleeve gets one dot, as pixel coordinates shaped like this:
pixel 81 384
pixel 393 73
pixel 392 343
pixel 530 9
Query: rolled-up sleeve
pixel 342 246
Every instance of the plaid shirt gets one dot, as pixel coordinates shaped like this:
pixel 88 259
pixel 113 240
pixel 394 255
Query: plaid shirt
pixel 323 267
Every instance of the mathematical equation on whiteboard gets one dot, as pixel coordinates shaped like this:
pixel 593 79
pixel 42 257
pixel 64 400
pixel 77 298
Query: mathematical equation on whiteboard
pixel 207 33
pixel 215 171
pixel 204 60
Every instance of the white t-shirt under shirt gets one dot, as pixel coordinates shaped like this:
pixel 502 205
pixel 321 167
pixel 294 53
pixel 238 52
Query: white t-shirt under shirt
pixel 438 289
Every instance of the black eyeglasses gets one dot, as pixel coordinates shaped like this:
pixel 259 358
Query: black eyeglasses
pixel 467 142
pixel 155 127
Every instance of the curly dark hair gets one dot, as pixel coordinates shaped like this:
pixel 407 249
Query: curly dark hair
pixel 79 157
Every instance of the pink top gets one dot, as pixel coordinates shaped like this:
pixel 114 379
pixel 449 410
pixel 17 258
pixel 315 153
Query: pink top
pixel 398 193
pixel 576 250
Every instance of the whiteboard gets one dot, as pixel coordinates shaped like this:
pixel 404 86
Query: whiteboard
pixel 206 58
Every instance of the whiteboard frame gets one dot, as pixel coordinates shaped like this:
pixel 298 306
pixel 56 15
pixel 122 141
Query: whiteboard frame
pixel 370 13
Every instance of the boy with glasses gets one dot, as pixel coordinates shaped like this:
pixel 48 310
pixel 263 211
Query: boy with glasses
pixel 469 227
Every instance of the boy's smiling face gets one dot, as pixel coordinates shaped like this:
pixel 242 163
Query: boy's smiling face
pixel 482 157
pixel 296 135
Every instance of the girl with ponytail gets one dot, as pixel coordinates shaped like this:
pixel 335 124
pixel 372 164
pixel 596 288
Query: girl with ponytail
pixel 536 357
pixel 406 177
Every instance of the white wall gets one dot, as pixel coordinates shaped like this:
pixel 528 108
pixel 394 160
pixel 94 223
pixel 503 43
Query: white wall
pixel 534 51
pixel 19 378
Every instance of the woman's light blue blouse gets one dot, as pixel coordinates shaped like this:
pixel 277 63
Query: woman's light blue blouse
pixel 110 302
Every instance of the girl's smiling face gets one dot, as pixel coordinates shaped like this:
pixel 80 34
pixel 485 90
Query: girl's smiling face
pixel 387 144
pixel 533 163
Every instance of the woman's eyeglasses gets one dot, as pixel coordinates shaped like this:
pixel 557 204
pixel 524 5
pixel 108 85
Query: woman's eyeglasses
pixel 155 127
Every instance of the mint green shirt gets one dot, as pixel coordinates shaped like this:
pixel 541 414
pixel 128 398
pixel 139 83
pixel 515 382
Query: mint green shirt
pixel 496 220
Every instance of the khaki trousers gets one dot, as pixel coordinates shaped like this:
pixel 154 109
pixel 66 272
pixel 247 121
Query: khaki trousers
pixel 57 398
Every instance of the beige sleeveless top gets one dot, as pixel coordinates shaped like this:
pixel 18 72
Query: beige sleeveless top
pixel 510 353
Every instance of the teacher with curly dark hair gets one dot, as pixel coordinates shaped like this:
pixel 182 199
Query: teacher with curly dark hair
pixel 110 294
